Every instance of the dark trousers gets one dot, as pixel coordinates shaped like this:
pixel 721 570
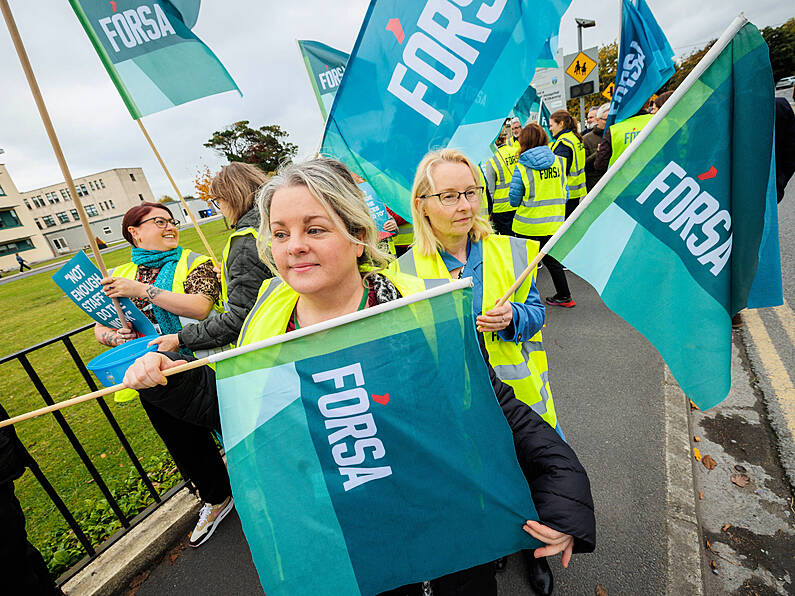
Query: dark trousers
pixel 22 567
pixel 475 581
pixel 187 429
pixel 503 222
pixel 22 267
pixel 554 267
pixel 571 205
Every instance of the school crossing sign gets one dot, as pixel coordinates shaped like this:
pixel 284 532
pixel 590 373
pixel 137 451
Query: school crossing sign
pixel 580 67
pixel 582 73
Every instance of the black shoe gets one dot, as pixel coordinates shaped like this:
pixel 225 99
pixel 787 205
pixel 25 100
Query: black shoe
pixel 539 574
pixel 500 563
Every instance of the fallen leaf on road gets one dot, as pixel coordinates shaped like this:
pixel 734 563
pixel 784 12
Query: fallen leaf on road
pixel 709 546
pixel 601 590
pixel 708 462
pixel 714 567
pixel 700 496
pixel 726 527
pixel 740 480
pixel 693 406
pixel 697 439
pixel 696 454
pixel 740 469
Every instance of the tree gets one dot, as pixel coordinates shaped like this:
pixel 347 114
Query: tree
pixel 166 199
pixel 781 41
pixel 262 146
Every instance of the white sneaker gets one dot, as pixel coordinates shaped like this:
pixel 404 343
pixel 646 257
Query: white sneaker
pixel 209 518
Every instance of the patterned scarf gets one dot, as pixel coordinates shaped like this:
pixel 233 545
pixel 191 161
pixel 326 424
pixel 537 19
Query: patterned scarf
pixel 166 261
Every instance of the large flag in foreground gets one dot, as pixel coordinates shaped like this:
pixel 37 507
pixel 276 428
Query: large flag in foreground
pixel 356 468
pixel 682 231
pixel 150 52
pixel 430 75
pixel 325 66
pixel 645 61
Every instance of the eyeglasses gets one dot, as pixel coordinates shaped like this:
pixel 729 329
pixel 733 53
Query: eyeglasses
pixel 161 222
pixel 451 197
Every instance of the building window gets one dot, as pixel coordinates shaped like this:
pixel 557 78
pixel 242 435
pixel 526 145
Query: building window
pixel 79 193
pixel 49 221
pixel 9 219
pixel 140 196
pixel 64 196
pixel 75 214
pixel 101 206
pixel 38 223
pixel 107 231
pixel 68 193
pixel 49 198
pixel 27 203
pixel 83 188
pixel 91 210
pixel 132 176
pixel 9 248
pixel 91 185
pixel 60 243
pixel 2 192
pixel 62 217
pixel 102 184
pixel 112 206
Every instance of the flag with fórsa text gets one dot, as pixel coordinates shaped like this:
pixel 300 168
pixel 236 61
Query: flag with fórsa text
pixel 645 61
pixel 682 231
pixel 150 52
pixel 370 451
pixel 427 75
pixel 325 66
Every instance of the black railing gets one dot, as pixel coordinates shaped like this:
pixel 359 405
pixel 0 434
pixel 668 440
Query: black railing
pixel 126 523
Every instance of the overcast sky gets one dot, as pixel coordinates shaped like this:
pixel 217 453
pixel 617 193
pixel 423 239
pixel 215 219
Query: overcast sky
pixel 256 43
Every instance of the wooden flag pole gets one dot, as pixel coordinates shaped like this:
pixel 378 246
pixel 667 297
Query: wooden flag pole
pixel 56 146
pixel 179 194
pixel 96 394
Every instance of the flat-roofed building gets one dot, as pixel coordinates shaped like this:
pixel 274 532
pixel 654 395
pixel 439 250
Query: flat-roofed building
pixel 18 231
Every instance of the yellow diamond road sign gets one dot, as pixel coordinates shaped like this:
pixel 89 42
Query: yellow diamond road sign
pixel 580 67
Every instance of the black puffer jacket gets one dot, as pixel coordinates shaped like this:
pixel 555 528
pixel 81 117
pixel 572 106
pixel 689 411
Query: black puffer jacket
pixel 13 456
pixel 245 276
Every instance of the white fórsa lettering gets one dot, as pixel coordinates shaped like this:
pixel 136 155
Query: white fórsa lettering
pixel 446 47
pixel 694 213
pixel 135 27
pixel 331 78
pixel 630 74
pixel 353 440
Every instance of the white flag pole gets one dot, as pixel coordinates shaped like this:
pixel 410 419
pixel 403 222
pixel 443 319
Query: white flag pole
pixel 720 45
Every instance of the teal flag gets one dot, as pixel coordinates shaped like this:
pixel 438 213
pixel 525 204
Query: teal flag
pixel 325 67
pixel 682 232
pixel 374 453
pixel 150 52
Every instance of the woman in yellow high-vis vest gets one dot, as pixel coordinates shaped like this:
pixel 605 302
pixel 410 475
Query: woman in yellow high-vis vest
pixel 567 143
pixel 539 191
pixel 323 243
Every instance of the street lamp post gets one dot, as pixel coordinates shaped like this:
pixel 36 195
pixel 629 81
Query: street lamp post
pixel 582 24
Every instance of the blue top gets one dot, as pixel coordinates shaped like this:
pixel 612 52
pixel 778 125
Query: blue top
pixel 528 318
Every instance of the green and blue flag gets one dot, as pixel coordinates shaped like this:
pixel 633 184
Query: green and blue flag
pixel 682 231
pixel 150 52
pixel 325 66
pixel 645 61
pixel 356 469
pixel 428 75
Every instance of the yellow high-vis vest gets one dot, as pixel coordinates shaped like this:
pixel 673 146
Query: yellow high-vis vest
pixel 544 214
pixel 523 366
pixel 225 256
pixel 276 302
pixel 576 177
pixel 503 161
pixel 624 132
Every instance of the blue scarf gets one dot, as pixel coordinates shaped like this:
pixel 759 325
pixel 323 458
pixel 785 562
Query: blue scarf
pixel 166 261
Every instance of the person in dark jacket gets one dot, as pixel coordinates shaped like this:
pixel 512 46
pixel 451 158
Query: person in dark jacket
pixel 785 145
pixel 605 151
pixel 346 243
pixel 192 444
pixel 591 142
pixel 22 568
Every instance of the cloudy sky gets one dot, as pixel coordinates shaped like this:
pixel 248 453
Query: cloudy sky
pixel 256 42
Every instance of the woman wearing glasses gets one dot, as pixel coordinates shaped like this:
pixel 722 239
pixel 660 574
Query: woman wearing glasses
pixel 171 285
pixel 453 240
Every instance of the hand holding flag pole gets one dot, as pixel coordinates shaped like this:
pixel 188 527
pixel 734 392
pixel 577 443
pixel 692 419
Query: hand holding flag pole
pixel 56 146
pixel 694 75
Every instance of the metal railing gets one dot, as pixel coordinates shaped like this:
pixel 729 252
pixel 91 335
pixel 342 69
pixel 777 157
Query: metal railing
pixel 126 523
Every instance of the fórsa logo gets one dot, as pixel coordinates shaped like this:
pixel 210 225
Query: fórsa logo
pixel 439 49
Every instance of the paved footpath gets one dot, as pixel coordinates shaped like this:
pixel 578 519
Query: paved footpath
pixel 608 384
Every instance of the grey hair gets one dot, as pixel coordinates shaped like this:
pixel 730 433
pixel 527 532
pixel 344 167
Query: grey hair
pixel 516 119
pixel 603 110
pixel 331 183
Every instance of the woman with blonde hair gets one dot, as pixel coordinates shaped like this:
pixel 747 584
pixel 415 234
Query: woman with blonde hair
pixel 453 240
pixel 317 233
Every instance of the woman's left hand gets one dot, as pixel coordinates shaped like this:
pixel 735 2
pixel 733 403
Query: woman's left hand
pixel 166 343
pixel 557 542
pixel 391 225
pixel 121 287
pixel 497 319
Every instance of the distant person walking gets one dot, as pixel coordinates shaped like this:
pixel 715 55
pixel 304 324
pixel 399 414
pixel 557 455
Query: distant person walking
pixel 22 263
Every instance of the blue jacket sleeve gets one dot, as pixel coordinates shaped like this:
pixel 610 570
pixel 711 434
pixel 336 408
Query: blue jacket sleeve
pixel 516 191
pixel 565 152
pixel 528 318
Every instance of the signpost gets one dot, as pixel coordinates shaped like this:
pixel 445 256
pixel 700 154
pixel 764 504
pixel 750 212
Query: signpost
pixel 608 92
pixel 550 86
